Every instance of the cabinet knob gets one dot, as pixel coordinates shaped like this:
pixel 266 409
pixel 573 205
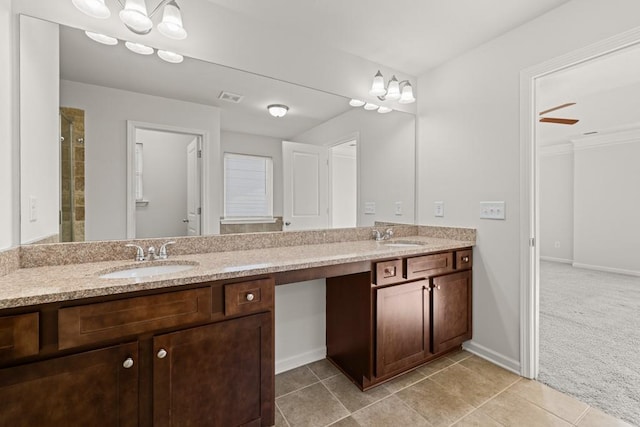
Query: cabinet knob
pixel 162 353
pixel 465 259
pixel 128 363
pixel 436 287
pixel 250 296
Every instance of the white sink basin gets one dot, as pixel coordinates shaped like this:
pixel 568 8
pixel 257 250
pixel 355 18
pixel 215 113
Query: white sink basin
pixel 404 244
pixel 147 271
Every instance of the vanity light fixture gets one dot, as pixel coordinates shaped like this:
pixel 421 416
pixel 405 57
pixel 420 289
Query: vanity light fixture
pixel 384 110
pixel 135 17
pixel 174 58
pixel 101 38
pixel 139 48
pixel 356 103
pixel 370 107
pixel 277 110
pixel 400 91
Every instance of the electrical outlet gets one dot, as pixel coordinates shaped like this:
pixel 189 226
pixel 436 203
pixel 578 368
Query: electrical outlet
pixel 492 210
pixel 398 206
pixel 370 208
pixel 438 209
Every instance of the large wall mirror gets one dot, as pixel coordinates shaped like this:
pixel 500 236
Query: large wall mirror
pixel 118 145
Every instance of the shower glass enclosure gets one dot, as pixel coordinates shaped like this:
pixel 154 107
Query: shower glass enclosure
pixel 71 175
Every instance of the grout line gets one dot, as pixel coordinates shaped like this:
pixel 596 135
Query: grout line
pixel 581 417
pixel 282 413
pixel 336 397
pixel 303 387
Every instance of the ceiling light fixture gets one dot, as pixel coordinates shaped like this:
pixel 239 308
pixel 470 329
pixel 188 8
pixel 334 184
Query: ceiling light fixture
pixel 135 17
pixel 384 110
pixel 277 110
pixel 139 48
pixel 101 38
pixel 356 103
pixel 172 57
pixel 400 91
pixel 370 107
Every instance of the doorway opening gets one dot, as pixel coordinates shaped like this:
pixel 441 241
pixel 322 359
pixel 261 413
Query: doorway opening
pixel 343 187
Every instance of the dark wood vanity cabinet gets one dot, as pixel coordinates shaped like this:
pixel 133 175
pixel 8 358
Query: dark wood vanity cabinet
pixel 197 357
pixel 407 312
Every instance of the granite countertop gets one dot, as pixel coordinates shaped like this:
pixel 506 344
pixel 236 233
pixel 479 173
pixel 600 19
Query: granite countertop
pixel 40 285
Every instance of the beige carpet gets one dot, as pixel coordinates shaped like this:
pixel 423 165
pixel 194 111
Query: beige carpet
pixel 590 337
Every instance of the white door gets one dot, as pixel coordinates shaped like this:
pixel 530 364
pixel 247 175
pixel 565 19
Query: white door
pixel 193 189
pixel 306 183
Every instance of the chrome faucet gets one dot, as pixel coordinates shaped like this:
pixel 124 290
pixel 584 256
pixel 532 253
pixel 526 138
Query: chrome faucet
pixel 379 236
pixel 139 251
pixel 163 250
pixel 151 252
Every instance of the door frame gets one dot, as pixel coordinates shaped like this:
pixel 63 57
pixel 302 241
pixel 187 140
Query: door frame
pixel 529 190
pixel 205 171
pixel 354 136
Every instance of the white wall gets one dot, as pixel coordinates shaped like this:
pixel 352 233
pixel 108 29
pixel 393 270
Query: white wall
pixel 244 143
pixel 469 150
pixel 106 114
pixel 607 202
pixel 556 205
pixel 344 194
pixel 386 157
pixel 7 146
pixel 164 184
pixel 39 129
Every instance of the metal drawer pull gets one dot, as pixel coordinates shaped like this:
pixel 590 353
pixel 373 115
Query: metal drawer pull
pixel 162 353
pixel 465 259
pixel 128 363
pixel 250 296
pixel 391 271
pixel 436 287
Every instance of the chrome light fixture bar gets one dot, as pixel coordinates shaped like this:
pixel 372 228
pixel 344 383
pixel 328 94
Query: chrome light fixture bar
pixel 400 91
pixel 135 17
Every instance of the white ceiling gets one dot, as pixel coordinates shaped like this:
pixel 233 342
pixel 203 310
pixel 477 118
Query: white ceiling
pixel 606 91
pixel 408 35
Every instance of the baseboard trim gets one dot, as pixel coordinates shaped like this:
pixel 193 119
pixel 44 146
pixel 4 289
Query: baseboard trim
pixel 558 260
pixel 494 357
pixel 293 362
pixel 606 269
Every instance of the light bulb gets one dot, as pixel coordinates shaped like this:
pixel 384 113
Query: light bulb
pixel 171 25
pixel 93 8
pixel 393 91
pixel 377 87
pixel 407 95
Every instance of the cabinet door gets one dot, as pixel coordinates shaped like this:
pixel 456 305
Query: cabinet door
pixel 215 375
pixel 402 321
pixel 451 310
pixel 96 388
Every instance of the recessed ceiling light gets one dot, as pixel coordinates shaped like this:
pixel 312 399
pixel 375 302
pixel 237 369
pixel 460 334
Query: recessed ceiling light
pixel 356 103
pixel 369 106
pixel 139 48
pixel 384 110
pixel 101 38
pixel 174 58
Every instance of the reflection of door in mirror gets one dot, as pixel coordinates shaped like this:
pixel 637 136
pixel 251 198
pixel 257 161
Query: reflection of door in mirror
pixel 168 184
pixel 343 189
pixel 71 174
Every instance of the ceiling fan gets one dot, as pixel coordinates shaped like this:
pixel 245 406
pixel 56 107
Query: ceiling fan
pixel 556 120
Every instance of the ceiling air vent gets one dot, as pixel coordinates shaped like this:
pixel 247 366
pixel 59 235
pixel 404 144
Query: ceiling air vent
pixel 230 97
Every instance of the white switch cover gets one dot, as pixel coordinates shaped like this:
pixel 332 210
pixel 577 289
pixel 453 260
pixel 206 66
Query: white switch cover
pixel 369 208
pixel 398 206
pixel 438 208
pixel 492 210
pixel 33 209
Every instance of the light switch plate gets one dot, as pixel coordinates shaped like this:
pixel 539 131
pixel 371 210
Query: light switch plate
pixel 33 209
pixel 438 209
pixel 398 208
pixel 492 210
pixel 369 208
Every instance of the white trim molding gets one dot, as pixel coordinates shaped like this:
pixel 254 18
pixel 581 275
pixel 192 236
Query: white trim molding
pixel 496 358
pixel 558 260
pixel 529 209
pixel 606 269
pixel 298 360
pixel 606 140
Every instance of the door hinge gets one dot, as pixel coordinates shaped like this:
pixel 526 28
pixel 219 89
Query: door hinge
pixel 199 211
pixel 199 154
pixel 532 242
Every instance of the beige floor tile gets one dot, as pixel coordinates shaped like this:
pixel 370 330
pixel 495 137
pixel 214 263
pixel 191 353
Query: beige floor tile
pixel 280 421
pixel 323 369
pixel 597 418
pixel 351 396
pixel 403 381
pixel 436 404
pixel 566 407
pixel 293 380
pixel 494 372
pixel 477 419
pixel 468 385
pixel 311 406
pixel 435 366
pixel 511 410
pixel 457 356
pixel 346 422
pixel 389 412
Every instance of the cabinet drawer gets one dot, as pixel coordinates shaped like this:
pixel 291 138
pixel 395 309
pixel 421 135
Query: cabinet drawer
pixel 248 297
pixel 93 323
pixel 388 272
pixel 19 336
pixel 429 265
pixel 464 259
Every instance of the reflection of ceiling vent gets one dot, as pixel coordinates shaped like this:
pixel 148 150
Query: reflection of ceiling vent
pixel 230 97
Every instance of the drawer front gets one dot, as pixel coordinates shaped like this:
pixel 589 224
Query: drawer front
pixel 248 297
pixel 429 265
pixel 93 323
pixel 464 259
pixel 388 272
pixel 19 336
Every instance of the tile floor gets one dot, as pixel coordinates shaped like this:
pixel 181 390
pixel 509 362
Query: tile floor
pixel 458 390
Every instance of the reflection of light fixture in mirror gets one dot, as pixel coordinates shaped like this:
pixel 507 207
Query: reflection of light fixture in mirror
pixel 135 17
pixel 174 58
pixel 277 110
pixel 356 103
pixel 395 90
pixel 369 106
pixel 384 110
pixel 139 48
pixel 101 38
